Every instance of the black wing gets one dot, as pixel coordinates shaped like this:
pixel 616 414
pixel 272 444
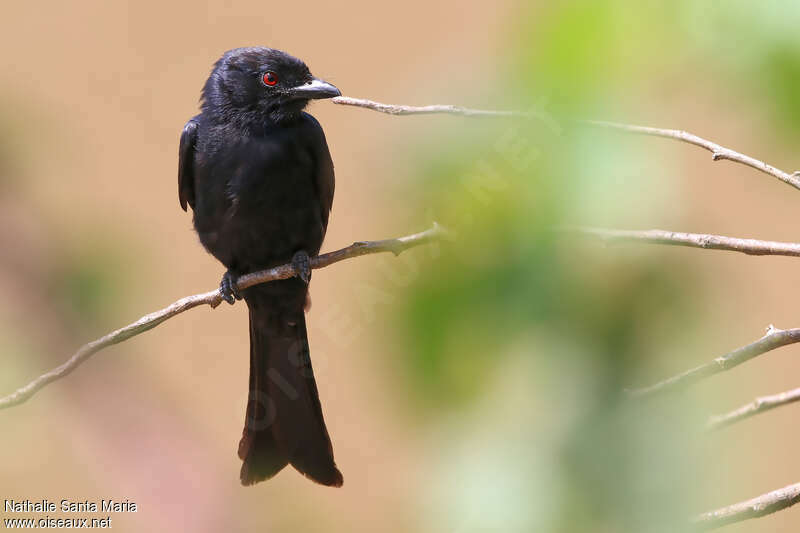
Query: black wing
pixel 186 164
pixel 324 179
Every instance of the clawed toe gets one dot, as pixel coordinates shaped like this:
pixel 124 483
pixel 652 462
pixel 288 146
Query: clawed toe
pixel 302 266
pixel 228 288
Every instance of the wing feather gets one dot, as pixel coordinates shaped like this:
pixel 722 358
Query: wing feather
pixel 186 164
pixel 324 178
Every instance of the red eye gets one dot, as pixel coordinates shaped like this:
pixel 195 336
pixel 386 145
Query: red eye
pixel 270 78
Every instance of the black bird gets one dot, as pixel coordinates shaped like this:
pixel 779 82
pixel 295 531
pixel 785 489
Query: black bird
pixel 257 173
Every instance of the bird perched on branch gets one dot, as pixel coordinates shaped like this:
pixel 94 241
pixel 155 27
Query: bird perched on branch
pixel 256 171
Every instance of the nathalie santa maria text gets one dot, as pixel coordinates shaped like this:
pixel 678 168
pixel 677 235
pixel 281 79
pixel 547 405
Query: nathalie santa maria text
pixel 69 506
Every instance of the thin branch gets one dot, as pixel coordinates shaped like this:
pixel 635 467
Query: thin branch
pixel 213 298
pixel 694 240
pixel 775 338
pixel 759 405
pixel 763 505
pixel 718 152
pixel 391 109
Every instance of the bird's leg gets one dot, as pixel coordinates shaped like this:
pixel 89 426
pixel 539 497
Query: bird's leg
pixel 302 266
pixel 228 289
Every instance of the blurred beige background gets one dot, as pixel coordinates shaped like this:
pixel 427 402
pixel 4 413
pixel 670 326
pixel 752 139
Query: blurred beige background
pixel 93 96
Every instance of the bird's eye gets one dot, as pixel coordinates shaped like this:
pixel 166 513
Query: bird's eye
pixel 270 78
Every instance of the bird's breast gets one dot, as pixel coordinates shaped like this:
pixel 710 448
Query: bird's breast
pixel 259 204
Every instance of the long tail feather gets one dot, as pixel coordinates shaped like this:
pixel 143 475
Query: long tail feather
pixel 284 423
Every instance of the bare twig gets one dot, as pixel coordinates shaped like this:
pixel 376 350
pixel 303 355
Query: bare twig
pixel 391 109
pixel 213 298
pixel 759 405
pixel 718 152
pixel 775 338
pixel 763 505
pixel 694 240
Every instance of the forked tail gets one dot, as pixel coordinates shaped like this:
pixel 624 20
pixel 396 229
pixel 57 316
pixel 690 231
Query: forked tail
pixel 284 423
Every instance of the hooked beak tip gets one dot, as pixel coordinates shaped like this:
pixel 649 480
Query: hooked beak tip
pixel 316 89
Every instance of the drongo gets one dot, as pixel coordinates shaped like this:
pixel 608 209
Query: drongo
pixel 256 171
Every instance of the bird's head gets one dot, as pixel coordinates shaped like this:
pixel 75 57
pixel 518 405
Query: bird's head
pixel 251 85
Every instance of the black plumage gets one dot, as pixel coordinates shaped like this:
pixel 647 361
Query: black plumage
pixel 256 170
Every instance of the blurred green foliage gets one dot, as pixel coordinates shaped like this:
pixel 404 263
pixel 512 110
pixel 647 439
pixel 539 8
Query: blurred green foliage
pixel 753 48
pixel 581 53
pixel 513 267
pixel 514 293
pixel 89 283
pixel 521 340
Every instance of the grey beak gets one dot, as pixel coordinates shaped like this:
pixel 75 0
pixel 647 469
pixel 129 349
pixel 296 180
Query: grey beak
pixel 315 89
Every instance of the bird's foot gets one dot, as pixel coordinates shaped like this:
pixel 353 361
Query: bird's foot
pixel 302 266
pixel 228 289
